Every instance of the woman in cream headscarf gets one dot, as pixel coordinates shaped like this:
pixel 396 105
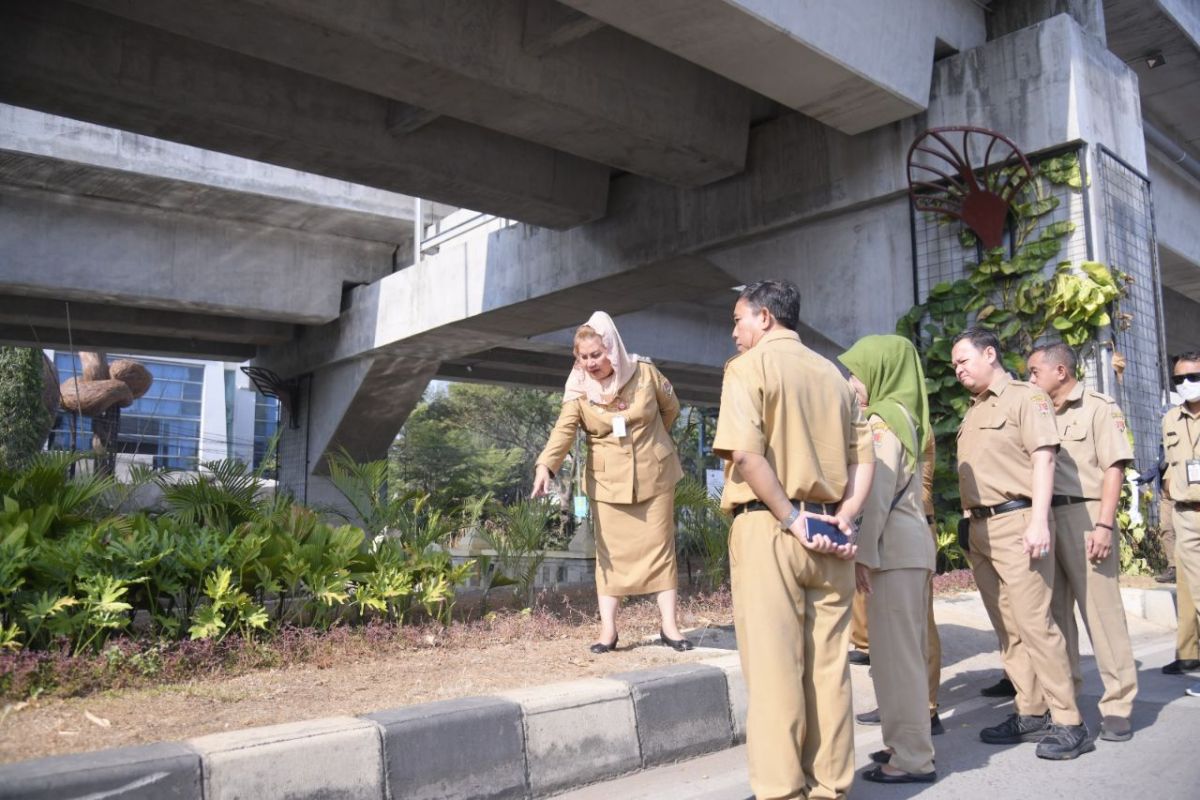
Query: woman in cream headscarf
pixel 626 407
pixel 896 555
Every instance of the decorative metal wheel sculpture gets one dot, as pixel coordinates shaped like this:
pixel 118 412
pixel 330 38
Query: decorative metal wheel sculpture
pixel 977 181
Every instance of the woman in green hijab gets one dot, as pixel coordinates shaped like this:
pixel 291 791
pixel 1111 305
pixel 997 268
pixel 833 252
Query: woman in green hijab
pixel 895 552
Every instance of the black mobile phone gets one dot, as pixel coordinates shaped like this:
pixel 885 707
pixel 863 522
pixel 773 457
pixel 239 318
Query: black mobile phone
pixel 821 527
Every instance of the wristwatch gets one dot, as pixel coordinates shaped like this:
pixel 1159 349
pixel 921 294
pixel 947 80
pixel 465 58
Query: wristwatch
pixel 786 523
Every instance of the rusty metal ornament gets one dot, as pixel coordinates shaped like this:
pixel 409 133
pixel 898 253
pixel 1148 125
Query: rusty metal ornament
pixel 944 178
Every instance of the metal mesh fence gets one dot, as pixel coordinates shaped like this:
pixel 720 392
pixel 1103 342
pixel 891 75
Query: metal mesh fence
pixel 1129 245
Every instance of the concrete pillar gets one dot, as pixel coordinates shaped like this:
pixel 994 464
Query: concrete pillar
pixel 214 440
pixel 1013 15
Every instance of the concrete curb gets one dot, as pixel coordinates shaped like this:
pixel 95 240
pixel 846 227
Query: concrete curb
pixel 520 744
pixel 1153 605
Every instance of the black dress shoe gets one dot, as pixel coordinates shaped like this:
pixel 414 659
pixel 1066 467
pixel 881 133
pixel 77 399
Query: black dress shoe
pixel 1180 666
pixel 1166 576
pixel 860 658
pixel 678 645
pixel 877 775
pixel 1001 688
pixel 935 725
pixel 881 756
pixel 600 647
pixel 869 717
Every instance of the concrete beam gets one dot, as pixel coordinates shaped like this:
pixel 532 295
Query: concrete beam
pixel 1176 210
pixel 1181 321
pixel 58 338
pixel 43 151
pixel 77 62
pixel 99 251
pixel 848 81
pixel 608 98
pixel 96 318
pixel 550 25
pixel 1013 15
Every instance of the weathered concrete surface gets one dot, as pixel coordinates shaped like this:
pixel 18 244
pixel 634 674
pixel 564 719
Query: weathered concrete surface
pixel 1013 15
pixel 681 711
pixel 77 62
pixel 466 749
pixel 849 82
pixel 1176 211
pixel 334 757
pixel 606 97
pixel 1181 316
pixel 164 771
pixel 66 156
pixel 735 682
pixel 577 732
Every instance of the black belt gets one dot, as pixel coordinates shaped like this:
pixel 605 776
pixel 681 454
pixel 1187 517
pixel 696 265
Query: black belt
pixel 930 519
pixel 1066 500
pixel 1186 506
pixel 815 508
pixel 983 512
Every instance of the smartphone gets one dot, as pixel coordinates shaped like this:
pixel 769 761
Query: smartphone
pixel 821 527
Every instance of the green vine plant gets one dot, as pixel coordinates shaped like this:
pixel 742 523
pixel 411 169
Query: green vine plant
pixel 1024 295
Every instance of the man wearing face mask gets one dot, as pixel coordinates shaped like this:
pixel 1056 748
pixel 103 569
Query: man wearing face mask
pixel 1181 444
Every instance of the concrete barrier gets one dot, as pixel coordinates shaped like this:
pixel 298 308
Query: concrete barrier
pixel 735 684
pixel 577 733
pixel 153 772
pixel 681 710
pixel 335 757
pixel 466 749
pixel 1153 605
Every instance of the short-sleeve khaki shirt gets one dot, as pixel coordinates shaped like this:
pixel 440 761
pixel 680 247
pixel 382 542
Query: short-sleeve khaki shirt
pixel 1091 428
pixel 1181 443
pixel 1004 425
pixel 786 402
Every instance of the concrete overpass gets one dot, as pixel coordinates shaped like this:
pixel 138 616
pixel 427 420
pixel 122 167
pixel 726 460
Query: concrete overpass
pixel 654 154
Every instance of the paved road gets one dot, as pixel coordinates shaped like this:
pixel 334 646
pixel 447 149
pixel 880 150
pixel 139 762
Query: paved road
pixel 1161 762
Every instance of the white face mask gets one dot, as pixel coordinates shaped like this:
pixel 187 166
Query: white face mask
pixel 1189 391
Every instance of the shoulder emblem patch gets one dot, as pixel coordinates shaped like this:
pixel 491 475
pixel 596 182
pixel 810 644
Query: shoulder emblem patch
pixel 878 428
pixel 1119 421
pixel 1041 402
pixel 667 388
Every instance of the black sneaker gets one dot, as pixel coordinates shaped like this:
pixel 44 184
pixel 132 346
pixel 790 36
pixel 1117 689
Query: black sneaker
pixel 1180 666
pixel 869 717
pixel 1064 742
pixel 1018 728
pixel 1001 688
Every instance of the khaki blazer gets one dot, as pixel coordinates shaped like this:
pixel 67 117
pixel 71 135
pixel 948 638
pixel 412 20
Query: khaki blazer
pixel 634 467
pixel 893 533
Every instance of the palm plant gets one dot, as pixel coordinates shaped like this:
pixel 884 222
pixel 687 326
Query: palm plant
pixel 518 537
pixel 702 530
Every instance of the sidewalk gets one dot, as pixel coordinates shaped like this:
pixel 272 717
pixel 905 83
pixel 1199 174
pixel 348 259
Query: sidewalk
pixel 549 739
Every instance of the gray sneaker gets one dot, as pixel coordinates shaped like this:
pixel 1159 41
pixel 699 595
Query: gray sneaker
pixel 1017 728
pixel 1193 690
pixel 1064 742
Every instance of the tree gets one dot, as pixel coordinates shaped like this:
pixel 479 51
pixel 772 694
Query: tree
pixel 24 418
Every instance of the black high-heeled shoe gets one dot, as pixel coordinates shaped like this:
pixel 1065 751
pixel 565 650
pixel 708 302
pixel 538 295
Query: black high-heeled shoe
pixel 599 648
pixel 678 645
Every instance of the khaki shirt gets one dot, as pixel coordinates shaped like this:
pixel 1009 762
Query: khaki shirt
pixel 1092 430
pixel 629 469
pixel 1004 425
pixel 893 533
pixel 782 400
pixel 1181 435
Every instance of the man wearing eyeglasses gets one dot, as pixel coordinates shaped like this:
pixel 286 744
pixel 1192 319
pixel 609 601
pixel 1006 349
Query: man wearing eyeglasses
pixel 1181 443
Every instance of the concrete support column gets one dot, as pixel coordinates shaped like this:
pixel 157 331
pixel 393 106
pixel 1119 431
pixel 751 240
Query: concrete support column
pixel 1013 15
pixel 214 439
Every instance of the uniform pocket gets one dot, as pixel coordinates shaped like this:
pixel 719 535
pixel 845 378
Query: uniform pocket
pixel 992 423
pixel 1074 433
pixel 663 451
pixel 596 462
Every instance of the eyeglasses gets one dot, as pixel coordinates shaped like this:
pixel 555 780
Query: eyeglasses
pixel 1187 376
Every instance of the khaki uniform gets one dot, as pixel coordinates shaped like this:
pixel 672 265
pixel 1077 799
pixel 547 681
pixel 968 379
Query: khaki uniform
pixel 631 478
pixel 859 634
pixel 894 542
pixel 1187 636
pixel 1181 444
pixel 1091 428
pixel 791 606
pixel 1005 424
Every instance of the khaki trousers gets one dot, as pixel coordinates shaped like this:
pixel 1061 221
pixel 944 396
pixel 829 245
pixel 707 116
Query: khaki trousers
pixel 1187 553
pixel 860 638
pixel 1187 637
pixel 897 617
pixel 1166 527
pixel 1094 586
pixel 1035 653
pixel 791 614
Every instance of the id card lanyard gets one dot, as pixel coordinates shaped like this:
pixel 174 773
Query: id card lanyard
pixel 1192 465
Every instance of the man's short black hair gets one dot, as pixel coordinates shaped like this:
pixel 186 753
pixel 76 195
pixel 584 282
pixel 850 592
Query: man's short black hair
pixel 981 338
pixel 781 298
pixel 1191 355
pixel 1058 353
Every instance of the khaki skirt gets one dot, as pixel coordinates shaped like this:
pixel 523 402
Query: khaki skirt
pixel 635 546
